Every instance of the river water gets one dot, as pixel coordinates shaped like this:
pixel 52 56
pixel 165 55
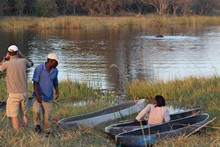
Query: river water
pixel 109 58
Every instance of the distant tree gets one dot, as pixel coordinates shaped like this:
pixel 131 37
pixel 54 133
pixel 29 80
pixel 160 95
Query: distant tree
pixel 90 6
pixel 175 5
pixel 73 5
pixel 187 7
pixel 204 7
pixel 61 6
pixel 113 6
pixel 136 6
pixel 101 7
pixel 216 7
pixel 46 8
pixel 41 8
pixel 2 6
pixel 125 6
pixel 29 8
pixel 160 5
pixel 9 7
pixel 52 8
pixel 19 6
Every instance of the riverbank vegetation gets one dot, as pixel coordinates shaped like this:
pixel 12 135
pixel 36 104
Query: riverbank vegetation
pixel 69 91
pixel 77 98
pixel 185 93
pixel 94 23
pixel 181 94
pixel 53 8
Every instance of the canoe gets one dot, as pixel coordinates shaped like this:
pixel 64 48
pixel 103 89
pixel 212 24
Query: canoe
pixel 111 113
pixel 115 129
pixel 2 105
pixel 151 135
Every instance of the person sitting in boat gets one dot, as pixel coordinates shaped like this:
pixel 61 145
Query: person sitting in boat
pixel 155 113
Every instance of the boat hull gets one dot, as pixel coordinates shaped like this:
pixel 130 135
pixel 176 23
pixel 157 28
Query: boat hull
pixel 115 129
pixel 111 113
pixel 151 135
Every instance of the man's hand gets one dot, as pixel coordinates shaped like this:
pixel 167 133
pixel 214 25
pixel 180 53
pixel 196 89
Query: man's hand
pixel 56 95
pixel 7 56
pixel 39 99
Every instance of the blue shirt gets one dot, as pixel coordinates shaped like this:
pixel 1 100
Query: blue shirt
pixel 45 81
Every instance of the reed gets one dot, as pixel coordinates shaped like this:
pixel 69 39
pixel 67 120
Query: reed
pixel 69 91
pixel 3 90
pixel 83 22
pixel 83 136
pixel 193 91
pixel 185 93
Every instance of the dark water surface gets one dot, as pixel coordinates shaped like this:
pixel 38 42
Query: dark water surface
pixel 109 58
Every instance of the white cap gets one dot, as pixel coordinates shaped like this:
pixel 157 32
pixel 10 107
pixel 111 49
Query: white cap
pixel 53 57
pixel 12 48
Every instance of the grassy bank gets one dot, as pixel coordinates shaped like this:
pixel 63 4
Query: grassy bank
pixel 75 22
pixel 186 93
pixel 69 91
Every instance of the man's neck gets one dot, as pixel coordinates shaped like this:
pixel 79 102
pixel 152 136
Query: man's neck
pixel 49 68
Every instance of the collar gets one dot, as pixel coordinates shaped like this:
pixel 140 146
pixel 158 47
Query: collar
pixel 45 68
pixel 14 57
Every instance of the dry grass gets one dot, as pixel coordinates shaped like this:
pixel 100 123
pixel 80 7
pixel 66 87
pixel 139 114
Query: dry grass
pixel 189 92
pixel 76 22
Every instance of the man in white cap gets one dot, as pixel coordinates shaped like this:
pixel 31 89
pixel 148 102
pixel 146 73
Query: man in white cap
pixel 15 64
pixel 45 80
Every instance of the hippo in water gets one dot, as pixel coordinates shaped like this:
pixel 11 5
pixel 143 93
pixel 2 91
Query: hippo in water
pixel 159 36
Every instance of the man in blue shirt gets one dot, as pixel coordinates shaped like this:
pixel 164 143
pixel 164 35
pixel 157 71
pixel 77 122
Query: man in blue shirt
pixel 45 80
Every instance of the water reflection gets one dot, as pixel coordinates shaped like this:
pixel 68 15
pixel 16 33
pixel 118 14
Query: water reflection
pixel 109 58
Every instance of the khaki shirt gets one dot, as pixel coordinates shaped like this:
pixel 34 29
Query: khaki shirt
pixel 16 77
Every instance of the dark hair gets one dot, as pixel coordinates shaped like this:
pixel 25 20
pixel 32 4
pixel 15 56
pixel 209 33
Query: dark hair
pixel 13 53
pixel 160 101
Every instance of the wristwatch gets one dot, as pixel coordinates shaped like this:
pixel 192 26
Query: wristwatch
pixel 5 58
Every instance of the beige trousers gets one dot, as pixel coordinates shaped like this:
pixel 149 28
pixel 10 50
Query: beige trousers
pixel 47 114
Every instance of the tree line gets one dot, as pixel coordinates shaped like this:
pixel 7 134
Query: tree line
pixel 52 8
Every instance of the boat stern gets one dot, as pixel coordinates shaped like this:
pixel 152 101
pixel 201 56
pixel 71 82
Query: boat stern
pixel 135 140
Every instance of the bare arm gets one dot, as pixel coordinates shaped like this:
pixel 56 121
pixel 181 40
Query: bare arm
pixel 5 59
pixel 143 112
pixel 56 87
pixel 38 97
pixel 2 61
pixel 167 116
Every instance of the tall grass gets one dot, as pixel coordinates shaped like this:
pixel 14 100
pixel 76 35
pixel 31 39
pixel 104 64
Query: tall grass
pixel 83 136
pixel 69 91
pixel 185 93
pixel 76 22
pixel 3 89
